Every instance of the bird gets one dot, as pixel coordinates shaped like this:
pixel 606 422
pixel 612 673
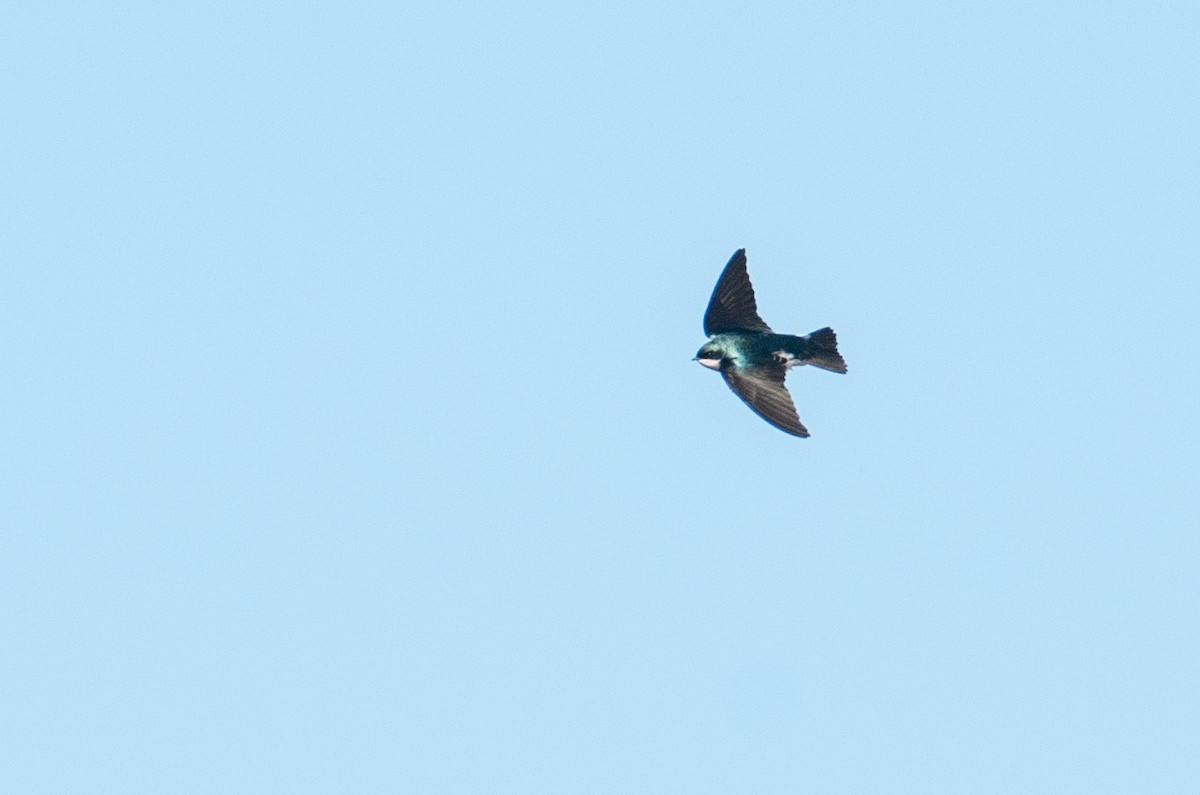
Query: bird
pixel 753 359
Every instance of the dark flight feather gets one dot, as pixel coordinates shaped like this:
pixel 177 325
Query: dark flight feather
pixel 732 306
pixel 763 390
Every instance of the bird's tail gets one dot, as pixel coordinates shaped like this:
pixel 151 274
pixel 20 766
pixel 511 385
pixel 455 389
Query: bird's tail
pixel 823 352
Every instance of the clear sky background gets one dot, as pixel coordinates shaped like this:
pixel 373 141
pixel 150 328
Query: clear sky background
pixel 352 441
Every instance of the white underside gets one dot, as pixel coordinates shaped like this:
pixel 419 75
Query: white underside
pixel 789 360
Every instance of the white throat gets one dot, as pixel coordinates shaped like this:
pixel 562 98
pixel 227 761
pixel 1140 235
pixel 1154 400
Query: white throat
pixel 712 364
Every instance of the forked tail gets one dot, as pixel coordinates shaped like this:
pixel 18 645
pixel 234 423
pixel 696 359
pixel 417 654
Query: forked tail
pixel 823 352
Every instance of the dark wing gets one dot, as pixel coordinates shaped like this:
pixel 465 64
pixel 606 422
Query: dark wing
pixel 732 306
pixel 763 390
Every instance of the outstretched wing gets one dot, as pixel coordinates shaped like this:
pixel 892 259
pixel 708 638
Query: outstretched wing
pixel 732 306
pixel 763 390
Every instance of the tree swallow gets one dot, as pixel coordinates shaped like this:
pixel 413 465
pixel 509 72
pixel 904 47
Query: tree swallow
pixel 753 359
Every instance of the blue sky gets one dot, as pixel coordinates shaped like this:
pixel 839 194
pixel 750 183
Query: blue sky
pixel 352 440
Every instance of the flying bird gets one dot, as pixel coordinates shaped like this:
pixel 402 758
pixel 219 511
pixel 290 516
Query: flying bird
pixel 753 359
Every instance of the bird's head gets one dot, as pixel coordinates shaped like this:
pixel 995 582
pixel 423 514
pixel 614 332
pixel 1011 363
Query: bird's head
pixel 710 356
